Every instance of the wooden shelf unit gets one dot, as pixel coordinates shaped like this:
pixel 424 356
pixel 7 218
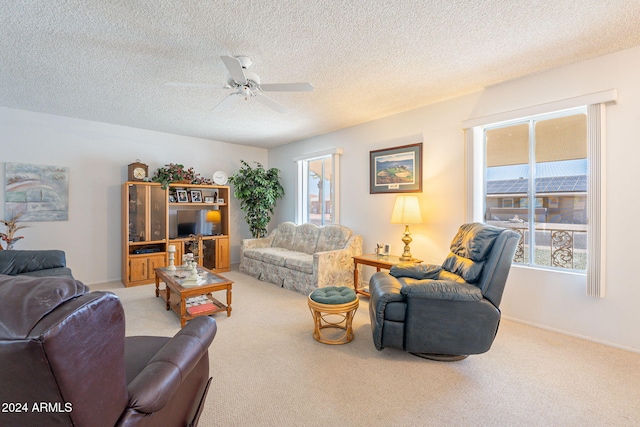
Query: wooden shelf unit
pixel 147 216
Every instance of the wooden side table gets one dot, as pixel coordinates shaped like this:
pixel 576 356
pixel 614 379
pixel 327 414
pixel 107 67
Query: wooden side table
pixel 377 261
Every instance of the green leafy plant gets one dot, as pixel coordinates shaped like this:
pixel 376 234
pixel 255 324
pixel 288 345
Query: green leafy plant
pixel 177 173
pixel 258 190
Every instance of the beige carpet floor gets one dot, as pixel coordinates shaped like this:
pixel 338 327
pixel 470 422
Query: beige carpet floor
pixel 268 371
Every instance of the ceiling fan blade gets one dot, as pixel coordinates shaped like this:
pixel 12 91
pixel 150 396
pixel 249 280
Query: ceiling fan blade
pixel 225 101
pixel 181 84
pixel 287 87
pixel 235 69
pixel 270 103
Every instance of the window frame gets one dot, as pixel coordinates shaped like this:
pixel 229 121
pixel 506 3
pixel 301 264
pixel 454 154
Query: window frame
pixel 596 201
pixel 302 195
pixel 531 122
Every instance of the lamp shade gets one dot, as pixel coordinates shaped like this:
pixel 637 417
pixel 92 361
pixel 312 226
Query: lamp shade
pixel 406 210
pixel 213 216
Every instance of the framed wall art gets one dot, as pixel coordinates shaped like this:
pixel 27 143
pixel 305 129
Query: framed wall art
pixel 396 170
pixel 39 192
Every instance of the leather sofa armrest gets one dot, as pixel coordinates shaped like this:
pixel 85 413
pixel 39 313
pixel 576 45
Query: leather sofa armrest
pixel 441 290
pixel 24 261
pixel 154 386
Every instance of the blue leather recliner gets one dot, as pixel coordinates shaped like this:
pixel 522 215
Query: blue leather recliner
pixel 450 311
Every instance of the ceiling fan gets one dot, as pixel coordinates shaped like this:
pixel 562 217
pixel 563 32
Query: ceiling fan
pixel 247 84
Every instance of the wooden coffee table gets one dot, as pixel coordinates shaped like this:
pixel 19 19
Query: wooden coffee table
pixel 178 289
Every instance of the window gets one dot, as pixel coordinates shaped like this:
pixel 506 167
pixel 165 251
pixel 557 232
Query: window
pixel 540 171
pixel 318 188
pixel 536 184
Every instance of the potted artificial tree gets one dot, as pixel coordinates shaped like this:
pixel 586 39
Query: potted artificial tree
pixel 258 190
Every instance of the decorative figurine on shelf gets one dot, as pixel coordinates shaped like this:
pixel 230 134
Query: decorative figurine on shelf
pixel 172 254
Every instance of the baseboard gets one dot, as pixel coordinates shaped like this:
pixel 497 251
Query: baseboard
pixel 582 337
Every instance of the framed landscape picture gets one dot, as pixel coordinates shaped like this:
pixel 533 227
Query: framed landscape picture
pixel 396 170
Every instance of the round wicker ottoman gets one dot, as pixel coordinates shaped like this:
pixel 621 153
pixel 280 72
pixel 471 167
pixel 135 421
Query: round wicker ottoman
pixel 333 307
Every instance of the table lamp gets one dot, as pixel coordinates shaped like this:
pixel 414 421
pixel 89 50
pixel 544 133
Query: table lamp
pixel 214 217
pixel 406 211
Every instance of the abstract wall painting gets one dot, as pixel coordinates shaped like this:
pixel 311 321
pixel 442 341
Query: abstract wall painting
pixel 40 192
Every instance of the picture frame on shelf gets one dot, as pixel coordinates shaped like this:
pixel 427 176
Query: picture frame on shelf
pixel 181 195
pixel 196 196
pixel 221 201
pixel 396 170
pixel 209 199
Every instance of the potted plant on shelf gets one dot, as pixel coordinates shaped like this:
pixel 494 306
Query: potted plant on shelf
pixel 174 172
pixel 12 227
pixel 258 190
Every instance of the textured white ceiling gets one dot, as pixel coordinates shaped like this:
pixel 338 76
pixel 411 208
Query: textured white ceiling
pixel 108 61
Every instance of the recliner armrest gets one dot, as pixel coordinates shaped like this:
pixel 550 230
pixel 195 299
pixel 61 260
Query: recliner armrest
pixel 441 290
pixel 383 289
pixel 154 386
pixel 416 271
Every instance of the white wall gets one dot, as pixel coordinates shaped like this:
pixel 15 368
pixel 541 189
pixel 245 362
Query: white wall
pixel 551 300
pixel 97 155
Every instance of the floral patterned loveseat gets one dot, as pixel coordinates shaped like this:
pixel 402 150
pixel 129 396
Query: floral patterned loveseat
pixel 302 257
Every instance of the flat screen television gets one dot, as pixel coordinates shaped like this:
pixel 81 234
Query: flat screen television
pixel 190 222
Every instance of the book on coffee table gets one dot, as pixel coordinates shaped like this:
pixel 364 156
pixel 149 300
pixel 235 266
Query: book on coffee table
pixel 195 309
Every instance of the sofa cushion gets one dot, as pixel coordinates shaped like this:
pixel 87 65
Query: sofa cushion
pixel 306 238
pixel 60 272
pixel 300 262
pixel 332 237
pixel 333 295
pixel 268 255
pixel 284 236
pixel 463 267
pixel 451 277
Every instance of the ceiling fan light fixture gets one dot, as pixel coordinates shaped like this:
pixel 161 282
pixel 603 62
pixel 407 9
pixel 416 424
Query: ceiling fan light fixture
pixel 245 61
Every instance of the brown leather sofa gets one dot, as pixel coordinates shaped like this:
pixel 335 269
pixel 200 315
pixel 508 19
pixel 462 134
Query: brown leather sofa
pixel 65 360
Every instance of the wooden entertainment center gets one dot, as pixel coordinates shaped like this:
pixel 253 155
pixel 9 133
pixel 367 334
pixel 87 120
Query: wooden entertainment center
pixel 149 222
